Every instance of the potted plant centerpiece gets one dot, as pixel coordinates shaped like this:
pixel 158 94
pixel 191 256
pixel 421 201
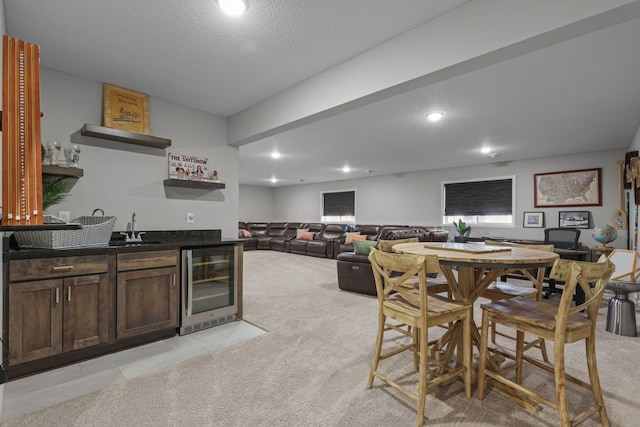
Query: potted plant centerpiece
pixel 463 231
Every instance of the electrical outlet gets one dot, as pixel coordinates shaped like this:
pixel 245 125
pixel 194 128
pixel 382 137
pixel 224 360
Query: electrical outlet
pixel 191 218
pixel 64 215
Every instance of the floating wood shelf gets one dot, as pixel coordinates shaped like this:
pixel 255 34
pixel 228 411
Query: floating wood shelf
pixel 124 136
pixel 193 184
pixel 61 171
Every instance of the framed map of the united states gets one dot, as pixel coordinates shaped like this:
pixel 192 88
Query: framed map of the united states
pixel 569 188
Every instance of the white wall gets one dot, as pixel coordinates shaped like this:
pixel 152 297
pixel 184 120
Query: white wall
pixel 415 198
pixel 256 204
pixel 124 178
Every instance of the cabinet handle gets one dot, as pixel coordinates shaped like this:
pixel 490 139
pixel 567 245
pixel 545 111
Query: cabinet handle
pixel 69 294
pixel 57 295
pixel 62 267
pixel 174 280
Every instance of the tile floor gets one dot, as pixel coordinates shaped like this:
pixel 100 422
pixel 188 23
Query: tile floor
pixel 48 388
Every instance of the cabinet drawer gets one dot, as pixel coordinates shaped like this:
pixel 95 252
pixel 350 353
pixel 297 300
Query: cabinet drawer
pixel 152 259
pixel 40 268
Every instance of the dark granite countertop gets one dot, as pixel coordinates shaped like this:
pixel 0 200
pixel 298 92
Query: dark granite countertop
pixel 151 240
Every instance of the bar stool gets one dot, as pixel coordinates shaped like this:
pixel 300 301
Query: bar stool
pixel 621 312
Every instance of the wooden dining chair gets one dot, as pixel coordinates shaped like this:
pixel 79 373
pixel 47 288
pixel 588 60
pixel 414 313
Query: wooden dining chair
pixel 505 290
pixel 562 325
pixel 420 311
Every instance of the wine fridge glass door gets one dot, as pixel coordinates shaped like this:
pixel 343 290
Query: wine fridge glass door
pixel 210 281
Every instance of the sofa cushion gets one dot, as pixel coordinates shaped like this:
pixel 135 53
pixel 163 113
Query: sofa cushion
pixel 301 230
pixel 246 233
pixel 354 237
pixel 363 247
pixel 306 235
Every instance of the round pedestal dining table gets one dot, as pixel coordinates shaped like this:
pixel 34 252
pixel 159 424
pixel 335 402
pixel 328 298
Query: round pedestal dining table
pixel 478 265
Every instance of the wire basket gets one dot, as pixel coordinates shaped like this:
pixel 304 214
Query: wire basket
pixel 95 232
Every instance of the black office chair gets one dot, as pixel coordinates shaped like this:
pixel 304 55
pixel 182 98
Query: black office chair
pixel 565 239
pixel 562 238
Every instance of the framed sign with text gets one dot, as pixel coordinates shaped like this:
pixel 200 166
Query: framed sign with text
pixel 125 109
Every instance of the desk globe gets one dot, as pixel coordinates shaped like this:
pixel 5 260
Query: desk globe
pixel 604 234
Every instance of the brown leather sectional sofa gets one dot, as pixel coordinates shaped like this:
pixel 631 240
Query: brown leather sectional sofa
pixel 281 236
pixel 328 239
pixel 354 270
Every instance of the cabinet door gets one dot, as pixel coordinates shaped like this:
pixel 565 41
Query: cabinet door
pixel 35 320
pixel 147 301
pixel 86 313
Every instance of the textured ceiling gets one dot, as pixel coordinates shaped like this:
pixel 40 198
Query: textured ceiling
pixel 579 95
pixel 582 95
pixel 190 53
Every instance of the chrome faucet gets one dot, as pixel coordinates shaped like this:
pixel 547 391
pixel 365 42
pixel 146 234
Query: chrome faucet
pixel 133 237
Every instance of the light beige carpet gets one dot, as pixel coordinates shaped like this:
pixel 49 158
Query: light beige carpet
pixel 311 369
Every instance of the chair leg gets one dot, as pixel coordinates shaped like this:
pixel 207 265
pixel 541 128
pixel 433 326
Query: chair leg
pixel 422 372
pixel 543 350
pixel 467 351
pixel 590 346
pixel 519 354
pixel 482 360
pixel 376 354
pixel 561 386
pixel 493 332
pixel 416 347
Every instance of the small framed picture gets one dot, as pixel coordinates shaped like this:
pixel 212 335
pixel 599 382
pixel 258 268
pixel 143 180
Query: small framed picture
pixel 574 219
pixel 533 220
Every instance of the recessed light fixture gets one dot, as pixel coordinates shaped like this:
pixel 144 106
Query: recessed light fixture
pixel 435 116
pixel 485 150
pixel 492 155
pixel 233 7
pixel 274 180
pixel 346 169
pixel 275 155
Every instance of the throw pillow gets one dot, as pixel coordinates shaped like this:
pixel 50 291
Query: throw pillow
pixel 348 234
pixel 355 237
pixel 246 233
pixel 306 235
pixel 300 230
pixel 363 247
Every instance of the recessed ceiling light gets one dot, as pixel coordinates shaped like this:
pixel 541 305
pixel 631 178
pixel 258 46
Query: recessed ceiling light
pixel 485 150
pixel 435 116
pixel 233 7
pixel 346 169
pixel 275 155
pixel 492 155
pixel 274 180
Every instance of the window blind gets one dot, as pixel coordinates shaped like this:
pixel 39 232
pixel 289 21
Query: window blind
pixel 340 203
pixel 492 197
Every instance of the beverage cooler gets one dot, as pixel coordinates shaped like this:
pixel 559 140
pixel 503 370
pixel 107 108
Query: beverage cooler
pixel 209 287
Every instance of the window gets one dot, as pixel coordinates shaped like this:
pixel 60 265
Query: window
pixel 489 201
pixel 339 206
